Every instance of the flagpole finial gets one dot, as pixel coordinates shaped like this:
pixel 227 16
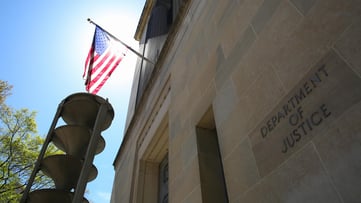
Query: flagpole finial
pixel 89 20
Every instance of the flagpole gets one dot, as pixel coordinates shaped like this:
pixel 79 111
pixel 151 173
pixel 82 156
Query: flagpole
pixel 130 48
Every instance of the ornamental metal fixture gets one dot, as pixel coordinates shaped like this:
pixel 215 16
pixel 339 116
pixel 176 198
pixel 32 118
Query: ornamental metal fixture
pixel 85 115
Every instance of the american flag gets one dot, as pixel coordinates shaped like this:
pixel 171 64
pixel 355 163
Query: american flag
pixel 104 56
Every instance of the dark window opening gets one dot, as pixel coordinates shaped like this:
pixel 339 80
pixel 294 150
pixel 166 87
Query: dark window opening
pixel 163 181
pixel 160 19
pixel 213 185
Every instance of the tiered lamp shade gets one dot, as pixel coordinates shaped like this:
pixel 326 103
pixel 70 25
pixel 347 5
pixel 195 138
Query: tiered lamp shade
pixel 51 196
pixel 82 109
pixel 74 140
pixel 64 170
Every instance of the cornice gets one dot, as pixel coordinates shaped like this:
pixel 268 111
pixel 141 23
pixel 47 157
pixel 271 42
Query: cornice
pixel 147 9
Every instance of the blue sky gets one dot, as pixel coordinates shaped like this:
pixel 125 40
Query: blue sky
pixel 44 45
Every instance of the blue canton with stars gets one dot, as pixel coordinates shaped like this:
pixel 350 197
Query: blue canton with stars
pixel 101 41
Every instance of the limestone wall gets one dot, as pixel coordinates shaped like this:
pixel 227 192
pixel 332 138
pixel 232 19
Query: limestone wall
pixel 280 80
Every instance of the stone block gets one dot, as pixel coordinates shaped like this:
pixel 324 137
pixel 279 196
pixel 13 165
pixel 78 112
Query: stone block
pixel 189 149
pixel 264 14
pixel 231 133
pixel 229 30
pixel 259 99
pixel 302 178
pixel 313 38
pixel 263 192
pixel 224 102
pixel 235 56
pixel 220 58
pixel 203 77
pixel 303 5
pixel 240 170
pixel 186 182
pixel 340 148
pixel 279 29
pixel 201 103
pixel 246 11
pixel 349 46
pixel 177 125
pixel 218 13
pixel 194 197
pixel 175 167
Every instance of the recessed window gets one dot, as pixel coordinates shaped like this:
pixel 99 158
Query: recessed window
pixel 212 179
pixel 152 180
pixel 163 181
pixel 160 19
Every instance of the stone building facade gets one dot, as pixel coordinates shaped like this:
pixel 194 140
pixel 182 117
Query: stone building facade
pixel 248 101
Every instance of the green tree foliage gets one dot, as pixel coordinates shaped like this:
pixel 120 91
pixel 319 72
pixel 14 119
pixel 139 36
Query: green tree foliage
pixel 19 148
pixel 5 90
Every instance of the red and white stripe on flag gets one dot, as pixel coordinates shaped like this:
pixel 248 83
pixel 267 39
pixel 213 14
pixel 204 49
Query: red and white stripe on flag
pixel 104 56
